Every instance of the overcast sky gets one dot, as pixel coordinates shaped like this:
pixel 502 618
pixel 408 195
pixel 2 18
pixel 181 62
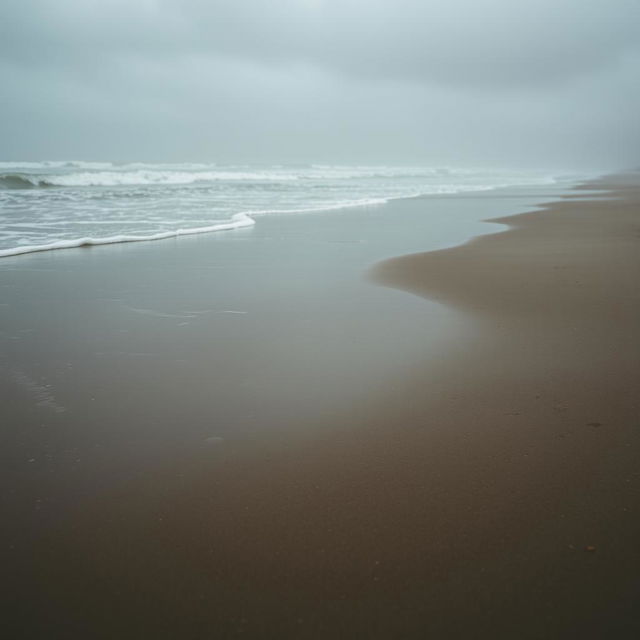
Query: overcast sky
pixel 547 83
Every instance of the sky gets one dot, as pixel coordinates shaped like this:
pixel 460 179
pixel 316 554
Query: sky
pixel 527 83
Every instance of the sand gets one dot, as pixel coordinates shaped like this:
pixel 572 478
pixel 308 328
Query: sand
pixel 485 488
pixel 544 407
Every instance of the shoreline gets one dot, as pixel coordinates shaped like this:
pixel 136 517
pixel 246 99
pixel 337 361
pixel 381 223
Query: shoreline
pixel 551 378
pixel 443 286
pixel 343 460
pixel 244 219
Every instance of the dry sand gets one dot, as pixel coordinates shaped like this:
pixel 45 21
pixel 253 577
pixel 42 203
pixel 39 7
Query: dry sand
pixel 490 494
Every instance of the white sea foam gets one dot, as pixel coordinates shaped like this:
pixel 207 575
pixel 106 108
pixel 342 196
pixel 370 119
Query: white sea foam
pixel 238 221
pixel 66 204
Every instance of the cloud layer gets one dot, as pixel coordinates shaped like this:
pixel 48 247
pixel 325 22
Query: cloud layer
pixel 467 82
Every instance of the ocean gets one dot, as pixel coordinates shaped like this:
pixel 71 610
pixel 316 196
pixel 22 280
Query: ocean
pixel 65 204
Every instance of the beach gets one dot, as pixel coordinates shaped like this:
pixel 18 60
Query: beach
pixel 312 428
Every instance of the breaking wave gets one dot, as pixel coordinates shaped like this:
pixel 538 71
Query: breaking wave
pixel 64 204
pixel 25 175
pixel 18 181
pixel 131 178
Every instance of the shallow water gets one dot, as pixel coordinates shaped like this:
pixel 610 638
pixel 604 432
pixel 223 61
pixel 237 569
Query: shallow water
pixel 59 205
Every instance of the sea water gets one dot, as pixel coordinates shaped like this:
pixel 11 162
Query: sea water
pixel 64 204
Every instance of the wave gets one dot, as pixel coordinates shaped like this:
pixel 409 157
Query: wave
pixel 17 181
pixel 130 178
pixel 238 221
pixel 245 219
pixel 41 220
pixel 138 174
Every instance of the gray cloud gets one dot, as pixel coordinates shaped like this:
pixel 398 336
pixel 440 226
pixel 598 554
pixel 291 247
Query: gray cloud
pixel 457 81
pixel 459 41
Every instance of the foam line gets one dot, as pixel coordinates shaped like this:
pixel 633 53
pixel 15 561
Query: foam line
pixel 238 221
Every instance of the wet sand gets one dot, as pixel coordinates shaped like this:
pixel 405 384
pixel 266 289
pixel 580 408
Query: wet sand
pixel 488 490
pixel 544 408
